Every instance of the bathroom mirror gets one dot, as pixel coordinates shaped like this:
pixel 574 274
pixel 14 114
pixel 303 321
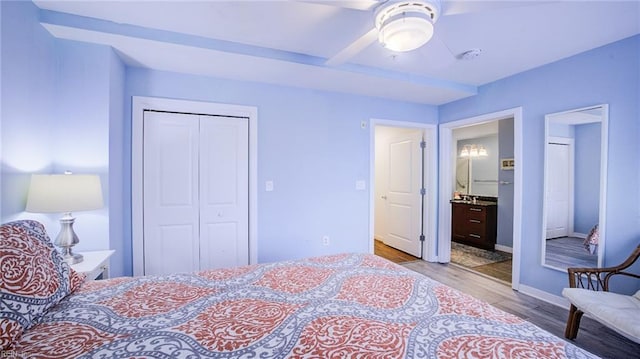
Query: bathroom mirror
pixel 575 167
pixel 477 160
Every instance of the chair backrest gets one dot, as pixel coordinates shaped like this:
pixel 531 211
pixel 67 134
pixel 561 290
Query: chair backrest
pixel 598 278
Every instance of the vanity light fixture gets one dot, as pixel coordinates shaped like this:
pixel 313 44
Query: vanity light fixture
pixel 473 151
pixel 465 151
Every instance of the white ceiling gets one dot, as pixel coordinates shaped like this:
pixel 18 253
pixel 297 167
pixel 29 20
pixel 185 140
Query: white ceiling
pixel 288 42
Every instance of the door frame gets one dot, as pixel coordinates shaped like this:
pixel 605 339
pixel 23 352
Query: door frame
pixel 446 151
pixel 139 105
pixel 430 167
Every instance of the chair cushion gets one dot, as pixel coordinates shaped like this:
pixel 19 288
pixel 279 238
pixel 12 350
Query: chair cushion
pixel 617 311
pixel 33 277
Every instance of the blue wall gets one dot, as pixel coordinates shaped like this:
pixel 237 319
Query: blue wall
pixel 609 74
pixel 505 184
pixel 28 80
pixel 60 99
pixel 310 144
pixel 119 203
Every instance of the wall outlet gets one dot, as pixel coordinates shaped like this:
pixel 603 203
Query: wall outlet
pixel 363 124
pixel 325 240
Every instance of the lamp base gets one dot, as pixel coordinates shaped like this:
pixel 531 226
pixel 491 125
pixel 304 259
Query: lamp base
pixel 70 257
pixel 66 239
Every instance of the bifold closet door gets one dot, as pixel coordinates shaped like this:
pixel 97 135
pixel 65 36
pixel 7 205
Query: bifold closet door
pixel 224 192
pixel 196 182
pixel 171 204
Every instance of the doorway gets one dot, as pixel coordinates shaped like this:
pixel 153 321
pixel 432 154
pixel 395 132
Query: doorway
pixel 402 191
pixel 447 164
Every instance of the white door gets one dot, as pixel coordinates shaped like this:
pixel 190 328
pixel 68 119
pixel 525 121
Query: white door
pixel 404 201
pixel 224 197
pixel 170 190
pixel 558 186
pixel 195 188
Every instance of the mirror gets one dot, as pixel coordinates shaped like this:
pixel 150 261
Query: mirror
pixel 575 165
pixel 477 160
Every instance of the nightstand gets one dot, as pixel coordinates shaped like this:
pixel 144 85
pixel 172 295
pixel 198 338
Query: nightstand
pixel 95 263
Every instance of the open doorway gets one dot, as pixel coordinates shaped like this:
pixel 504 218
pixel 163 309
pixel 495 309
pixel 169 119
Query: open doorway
pixel 449 157
pixel 482 238
pixel 402 202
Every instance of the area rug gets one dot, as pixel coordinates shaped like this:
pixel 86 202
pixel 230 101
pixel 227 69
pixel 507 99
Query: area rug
pixel 473 257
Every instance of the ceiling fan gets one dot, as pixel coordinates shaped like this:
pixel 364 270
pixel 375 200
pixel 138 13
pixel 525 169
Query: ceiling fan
pixel 400 25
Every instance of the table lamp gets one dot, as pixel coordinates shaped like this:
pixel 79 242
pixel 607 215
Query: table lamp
pixel 65 193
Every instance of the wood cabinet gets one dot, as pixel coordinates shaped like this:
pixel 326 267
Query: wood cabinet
pixel 474 224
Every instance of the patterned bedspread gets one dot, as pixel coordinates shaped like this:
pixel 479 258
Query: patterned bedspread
pixel 340 306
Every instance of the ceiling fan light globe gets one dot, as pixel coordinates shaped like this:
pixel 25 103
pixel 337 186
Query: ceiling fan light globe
pixel 406 33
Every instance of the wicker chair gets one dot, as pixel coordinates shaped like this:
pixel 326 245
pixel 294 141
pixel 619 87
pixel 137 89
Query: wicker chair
pixel 612 310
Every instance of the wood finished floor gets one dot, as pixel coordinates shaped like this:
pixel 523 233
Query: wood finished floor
pixel 568 252
pixel 592 336
pixel 499 270
pixel 392 254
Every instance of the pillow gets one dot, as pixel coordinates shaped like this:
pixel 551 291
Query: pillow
pixel 591 242
pixel 33 277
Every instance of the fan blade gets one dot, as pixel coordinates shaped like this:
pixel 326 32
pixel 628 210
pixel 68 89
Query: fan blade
pixel 363 5
pixel 354 48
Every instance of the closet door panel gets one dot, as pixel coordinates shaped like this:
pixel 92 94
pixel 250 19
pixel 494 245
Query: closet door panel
pixel 224 198
pixel 171 193
pixel 219 248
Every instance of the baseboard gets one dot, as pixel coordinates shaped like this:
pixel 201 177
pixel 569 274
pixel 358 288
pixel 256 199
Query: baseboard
pixel 502 248
pixel 579 235
pixel 544 296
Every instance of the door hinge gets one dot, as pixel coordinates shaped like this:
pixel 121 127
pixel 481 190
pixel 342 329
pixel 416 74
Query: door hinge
pixel 423 144
pixel 422 238
pixel 423 191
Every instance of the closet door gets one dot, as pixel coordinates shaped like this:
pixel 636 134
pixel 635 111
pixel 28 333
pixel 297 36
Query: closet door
pixel 224 192
pixel 171 203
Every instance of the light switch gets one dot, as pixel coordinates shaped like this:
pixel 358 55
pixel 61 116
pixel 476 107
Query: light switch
pixel 268 186
pixel 361 185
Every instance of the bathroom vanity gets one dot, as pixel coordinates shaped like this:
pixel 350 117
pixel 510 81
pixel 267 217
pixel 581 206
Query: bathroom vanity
pixel 474 223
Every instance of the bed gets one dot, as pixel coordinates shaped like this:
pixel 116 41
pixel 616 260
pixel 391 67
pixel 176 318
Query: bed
pixel 336 306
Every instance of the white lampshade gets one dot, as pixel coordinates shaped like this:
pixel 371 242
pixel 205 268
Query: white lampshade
pixel 64 193
pixel 405 33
